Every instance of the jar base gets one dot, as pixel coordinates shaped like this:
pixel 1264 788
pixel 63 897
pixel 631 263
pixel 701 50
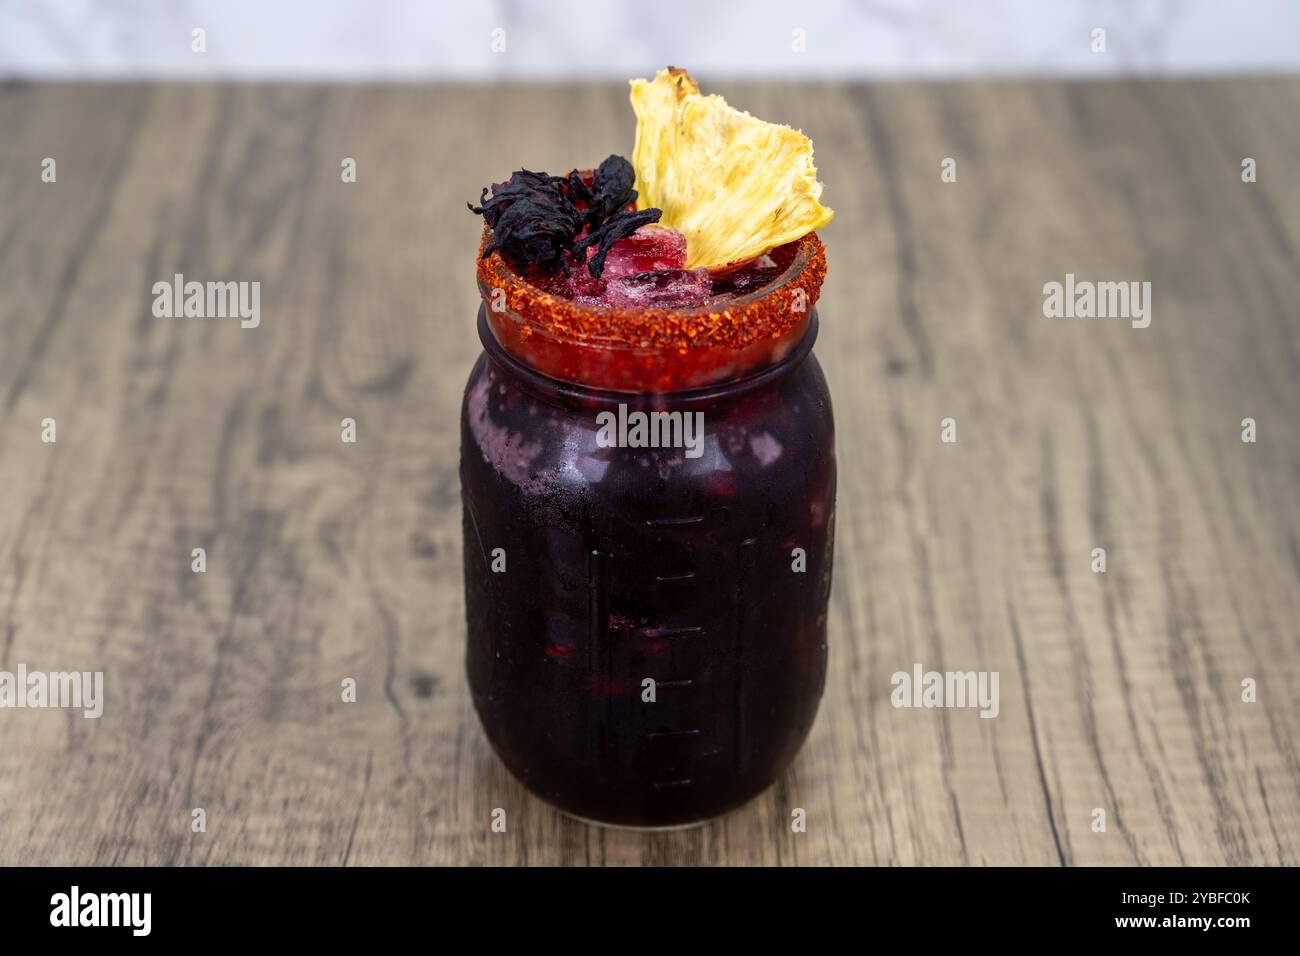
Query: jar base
pixel 650 827
pixel 647 828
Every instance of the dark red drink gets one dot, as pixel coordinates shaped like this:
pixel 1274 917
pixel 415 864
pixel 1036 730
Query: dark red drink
pixel 702 565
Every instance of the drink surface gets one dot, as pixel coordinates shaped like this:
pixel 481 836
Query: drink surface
pixel 706 573
pixel 647 270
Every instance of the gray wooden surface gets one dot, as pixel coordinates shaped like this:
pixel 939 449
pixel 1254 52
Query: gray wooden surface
pixel 1119 691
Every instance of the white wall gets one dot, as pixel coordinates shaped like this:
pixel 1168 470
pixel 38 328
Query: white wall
pixel 556 39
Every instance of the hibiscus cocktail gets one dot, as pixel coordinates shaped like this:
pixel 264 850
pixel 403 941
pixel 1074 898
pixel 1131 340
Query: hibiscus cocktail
pixel 648 469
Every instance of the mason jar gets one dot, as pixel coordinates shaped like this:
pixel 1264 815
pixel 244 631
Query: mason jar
pixel 648 509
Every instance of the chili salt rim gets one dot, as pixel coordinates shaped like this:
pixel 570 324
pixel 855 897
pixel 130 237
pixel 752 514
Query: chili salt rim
pixel 747 319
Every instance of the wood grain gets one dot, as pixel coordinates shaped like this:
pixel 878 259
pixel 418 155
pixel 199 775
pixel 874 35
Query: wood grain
pixel 327 560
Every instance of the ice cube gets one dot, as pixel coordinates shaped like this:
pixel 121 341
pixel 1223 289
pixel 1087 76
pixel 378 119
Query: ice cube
pixel 641 270
pixel 651 248
pixel 665 288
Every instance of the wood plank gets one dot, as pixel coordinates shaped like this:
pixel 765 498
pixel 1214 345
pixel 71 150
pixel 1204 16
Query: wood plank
pixel 328 560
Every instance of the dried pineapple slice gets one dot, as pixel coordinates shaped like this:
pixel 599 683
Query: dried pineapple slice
pixel 734 185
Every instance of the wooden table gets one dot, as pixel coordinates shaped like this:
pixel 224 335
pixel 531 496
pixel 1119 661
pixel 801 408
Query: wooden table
pixel 326 560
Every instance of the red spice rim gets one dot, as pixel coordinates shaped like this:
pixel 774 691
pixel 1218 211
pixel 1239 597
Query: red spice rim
pixel 674 398
pixel 767 313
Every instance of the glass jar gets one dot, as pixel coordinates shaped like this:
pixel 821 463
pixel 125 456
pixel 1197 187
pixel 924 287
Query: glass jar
pixel 647 621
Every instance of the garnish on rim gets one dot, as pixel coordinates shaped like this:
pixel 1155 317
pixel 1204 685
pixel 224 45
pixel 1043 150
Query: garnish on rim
pixel 611 231
pixel 734 185
pixel 536 218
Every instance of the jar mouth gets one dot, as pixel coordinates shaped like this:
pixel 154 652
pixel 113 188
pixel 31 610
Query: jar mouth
pixel 655 349
pixel 583 393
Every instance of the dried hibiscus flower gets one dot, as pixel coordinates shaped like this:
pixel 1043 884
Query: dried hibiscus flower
pixel 611 190
pixel 536 218
pixel 532 218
